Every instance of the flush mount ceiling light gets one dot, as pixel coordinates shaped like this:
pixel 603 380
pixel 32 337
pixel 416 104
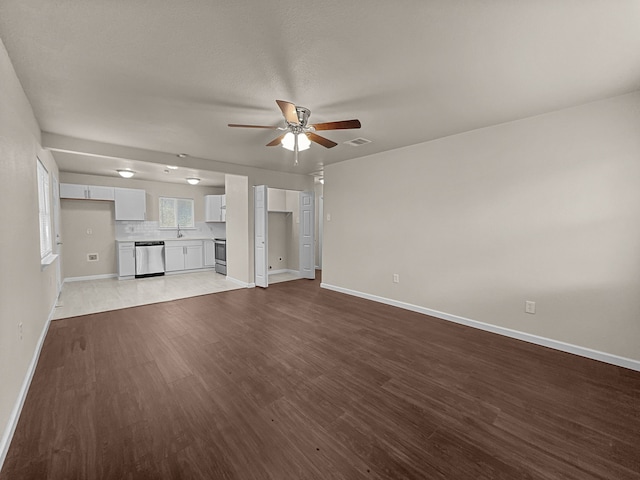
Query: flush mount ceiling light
pixel 193 181
pixel 172 167
pixel 126 173
pixel 182 155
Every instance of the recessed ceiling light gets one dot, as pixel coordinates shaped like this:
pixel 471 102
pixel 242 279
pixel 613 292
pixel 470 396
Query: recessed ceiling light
pixel 172 167
pixel 182 155
pixel 126 173
pixel 193 181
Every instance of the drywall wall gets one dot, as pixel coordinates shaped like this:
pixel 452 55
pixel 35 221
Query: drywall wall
pixel 27 291
pixel 88 227
pixel 543 209
pixel 239 243
pixel 278 240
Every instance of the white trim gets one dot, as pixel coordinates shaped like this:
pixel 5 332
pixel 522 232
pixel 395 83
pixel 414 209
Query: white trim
pixel 241 283
pixel 91 277
pixel 284 270
pixel 10 429
pixel 48 260
pixel 507 332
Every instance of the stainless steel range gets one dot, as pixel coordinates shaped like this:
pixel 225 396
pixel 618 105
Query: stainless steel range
pixel 220 250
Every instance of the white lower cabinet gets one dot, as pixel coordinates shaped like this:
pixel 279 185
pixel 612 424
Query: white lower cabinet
pixel 209 253
pixel 183 255
pixel 126 259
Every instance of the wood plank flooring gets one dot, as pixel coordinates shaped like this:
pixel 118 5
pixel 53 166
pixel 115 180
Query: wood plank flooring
pixel 296 382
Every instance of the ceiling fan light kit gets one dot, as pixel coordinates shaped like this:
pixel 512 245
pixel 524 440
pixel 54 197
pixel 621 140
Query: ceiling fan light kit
pixel 289 141
pixel 299 134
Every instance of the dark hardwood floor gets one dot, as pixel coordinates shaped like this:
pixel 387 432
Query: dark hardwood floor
pixel 296 382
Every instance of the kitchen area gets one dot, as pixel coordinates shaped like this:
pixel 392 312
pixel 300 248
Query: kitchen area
pixel 141 243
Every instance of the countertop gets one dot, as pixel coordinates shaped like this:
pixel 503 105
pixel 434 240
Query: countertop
pixel 165 239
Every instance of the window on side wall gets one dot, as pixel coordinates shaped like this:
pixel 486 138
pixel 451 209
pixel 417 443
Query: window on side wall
pixel 176 212
pixel 44 209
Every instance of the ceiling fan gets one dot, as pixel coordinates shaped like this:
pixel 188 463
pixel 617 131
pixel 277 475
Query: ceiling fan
pixel 298 133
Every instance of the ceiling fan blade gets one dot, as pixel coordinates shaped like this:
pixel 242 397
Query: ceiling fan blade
pixel 342 125
pixel 289 111
pixel 276 141
pixel 325 142
pixel 251 126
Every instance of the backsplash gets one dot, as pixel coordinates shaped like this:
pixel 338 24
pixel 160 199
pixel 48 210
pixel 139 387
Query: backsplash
pixel 141 230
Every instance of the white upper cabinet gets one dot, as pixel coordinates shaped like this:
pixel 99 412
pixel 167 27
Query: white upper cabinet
pixel 215 208
pixel 131 203
pixel 276 200
pixel 86 192
pixel 282 200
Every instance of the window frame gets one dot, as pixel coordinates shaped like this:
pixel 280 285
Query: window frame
pixel 44 212
pixel 175 211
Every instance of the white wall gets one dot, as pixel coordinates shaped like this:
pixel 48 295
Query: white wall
pixel 27 292
pixel 239 231
pixel 544 209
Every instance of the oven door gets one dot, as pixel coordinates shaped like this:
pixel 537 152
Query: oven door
pixel 221 252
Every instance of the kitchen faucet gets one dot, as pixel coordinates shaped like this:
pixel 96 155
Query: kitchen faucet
pixel 179 232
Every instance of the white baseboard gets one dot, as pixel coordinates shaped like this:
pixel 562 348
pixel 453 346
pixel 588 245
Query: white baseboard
pixel 241 283
pixel 91 277
pixel 10 429
pixel 284 270
pixel 507 332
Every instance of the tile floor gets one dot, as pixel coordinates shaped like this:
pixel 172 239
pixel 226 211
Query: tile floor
pixel 93 296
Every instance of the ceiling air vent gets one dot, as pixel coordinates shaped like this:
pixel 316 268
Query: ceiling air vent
pixel 356 142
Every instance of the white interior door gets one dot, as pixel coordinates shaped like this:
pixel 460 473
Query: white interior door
pixel 261 227
pixel 307 250
pixel 57 239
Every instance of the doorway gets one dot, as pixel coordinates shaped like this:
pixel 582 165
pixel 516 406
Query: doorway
pixel 284 235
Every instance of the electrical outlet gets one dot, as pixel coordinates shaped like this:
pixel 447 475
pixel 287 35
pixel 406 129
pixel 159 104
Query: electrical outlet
pixel 89 231
pixel 530 307
pixel 328 217
pixel 396 278
pixel 20 330
pixel 92 257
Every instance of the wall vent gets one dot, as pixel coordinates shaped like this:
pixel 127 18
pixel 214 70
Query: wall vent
pixel 356 142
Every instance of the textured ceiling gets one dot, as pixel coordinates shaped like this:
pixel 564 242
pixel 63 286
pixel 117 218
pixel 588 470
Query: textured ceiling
pixel 169 76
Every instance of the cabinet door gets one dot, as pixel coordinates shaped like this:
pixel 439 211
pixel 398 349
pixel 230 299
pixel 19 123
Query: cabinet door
pixel 126 260
pixel 212 208
pixel 70 190
pixel 173 258
pixel 292 201
pixel 276 200
pixel 209 255
pixel 100 193
pixel 193 257
pixel 130 203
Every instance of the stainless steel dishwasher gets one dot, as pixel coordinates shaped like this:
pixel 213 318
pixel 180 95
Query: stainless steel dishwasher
pixel 149 259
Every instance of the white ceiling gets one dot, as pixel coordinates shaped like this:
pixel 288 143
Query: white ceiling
pixel 169 76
